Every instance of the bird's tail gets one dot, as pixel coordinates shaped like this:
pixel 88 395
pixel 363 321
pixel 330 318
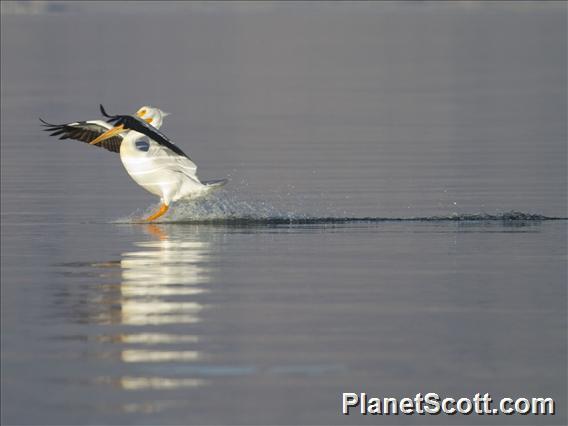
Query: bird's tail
pixel 214 184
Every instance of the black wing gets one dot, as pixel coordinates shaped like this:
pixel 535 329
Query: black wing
pixel 134 123
pixel 84 131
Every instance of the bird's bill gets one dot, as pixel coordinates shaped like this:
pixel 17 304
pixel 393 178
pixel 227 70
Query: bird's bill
pixel 108 134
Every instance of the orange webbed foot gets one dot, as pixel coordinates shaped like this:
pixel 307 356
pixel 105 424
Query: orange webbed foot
pixel 162 211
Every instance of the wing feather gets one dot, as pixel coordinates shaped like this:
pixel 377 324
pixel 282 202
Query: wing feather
pixel 85 131
pixel 165 155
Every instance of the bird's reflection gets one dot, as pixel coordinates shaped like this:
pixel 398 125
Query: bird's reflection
pixel 147 307
pixel 159 281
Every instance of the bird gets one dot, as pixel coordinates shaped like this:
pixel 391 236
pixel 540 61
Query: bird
pixel 151 159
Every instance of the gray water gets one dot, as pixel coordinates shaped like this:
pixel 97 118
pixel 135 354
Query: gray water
pixel 303 279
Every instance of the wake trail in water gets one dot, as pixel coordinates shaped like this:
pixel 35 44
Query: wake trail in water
pixel 224 209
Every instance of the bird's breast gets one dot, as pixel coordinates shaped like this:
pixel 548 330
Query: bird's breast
pixel 135 156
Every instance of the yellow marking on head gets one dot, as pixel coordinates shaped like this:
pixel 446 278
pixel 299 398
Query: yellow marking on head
pixel 141 112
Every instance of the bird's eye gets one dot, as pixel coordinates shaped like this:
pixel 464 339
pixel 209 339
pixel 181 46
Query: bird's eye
pixel 143 112
pixel 142 146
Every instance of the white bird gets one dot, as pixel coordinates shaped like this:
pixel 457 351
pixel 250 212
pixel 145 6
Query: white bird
pixel 149 157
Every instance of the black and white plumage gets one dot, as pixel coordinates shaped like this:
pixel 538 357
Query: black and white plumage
pixel 131 122
pixel 88 131
pixel 85 131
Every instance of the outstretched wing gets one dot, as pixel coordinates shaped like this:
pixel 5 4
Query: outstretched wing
pixel 131 122
pixel 85 131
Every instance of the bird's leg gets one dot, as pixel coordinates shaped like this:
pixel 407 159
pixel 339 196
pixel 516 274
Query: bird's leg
pixel 163 209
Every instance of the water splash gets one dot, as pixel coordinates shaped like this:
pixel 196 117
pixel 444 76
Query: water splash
pixel 224 208
pixel 220 206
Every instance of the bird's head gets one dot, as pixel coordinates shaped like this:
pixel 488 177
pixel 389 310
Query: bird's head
pixel 151 115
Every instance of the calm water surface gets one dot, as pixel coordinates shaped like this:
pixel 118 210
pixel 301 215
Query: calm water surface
pixel 369 110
